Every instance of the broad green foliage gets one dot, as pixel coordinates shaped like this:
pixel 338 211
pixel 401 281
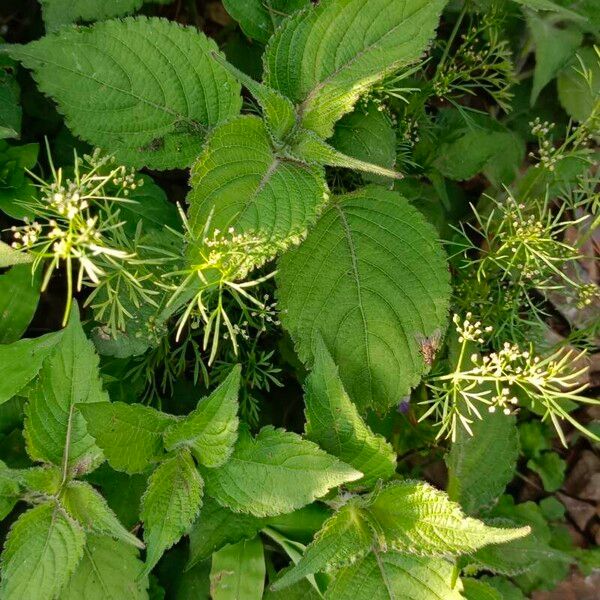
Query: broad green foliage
pixel 240 182
pixel 259 18
pixel 473 589
pixel 372 281
pixel 391 575
pixel 333 422
pixel 55 430
pixel 325 57
pixel 21 361
pixel 481 465
pixel 575 93
pixel 19 296
pixel 149 72
pixel 109 570
pixel 10 257
pixel 170 504
pixel 238 571
pixel 9 491
pixel 15 188
pixel 275 472
pixel 10 109
pixel 42 550
pixel 130 435
pixel 210 431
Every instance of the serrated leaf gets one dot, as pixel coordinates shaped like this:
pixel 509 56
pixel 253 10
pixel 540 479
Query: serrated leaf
pixel 482 464
pixel 210 430
pixel 411 516
pixel 391 575
pixel 109 570
pixel 170 504
pixel 474 589
pixel 19 296
pixel 343 539
pixel 92 512
pixel 301 590
pixel 548 5
pixel 259 18
pixel 333 422
pixel 150 84
pixel 325 57
pixel 372 280
pixel 55 430
pixel 274 473
pixel 44 480
pixel 129 434
pixel 238 181
pixel 21 361
pixel 554 48
pixel 9 256
pixel 42 549
pixel 238 571
pixel 10 490
pixel 368 135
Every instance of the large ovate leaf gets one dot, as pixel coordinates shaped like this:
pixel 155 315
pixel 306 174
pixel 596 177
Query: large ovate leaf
pixel 240 182
pixel 414 517
pixel 91 511
pixel 324 58
pixel 19 296
pixel 170 504
pixel 259 18
pixel 55 430
pixel 109 570
pixel 391 576
pixel 131 435
pixel 481 464
pixel 333 422
pixel 238 571
pixel 274 473
pixel 146 90
pixel 42 549
pixel 210 430
pixel 473 589
pixel 371 278
pixel 21 361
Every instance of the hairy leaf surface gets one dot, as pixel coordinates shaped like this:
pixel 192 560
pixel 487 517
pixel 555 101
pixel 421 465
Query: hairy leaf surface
pixel 323 58
pixel 147 90
pixel 372 280
pixel 42 549
pixel 276 472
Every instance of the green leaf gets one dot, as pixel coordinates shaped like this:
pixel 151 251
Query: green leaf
pixel 170 504
pixel 473 589
pixel 238 181
pixel 507 589
pixel 9 256
pixel 548 5
pixel 390 576
pixel 551 468
pixel 217 526
pixel 343 539
pixel 21 361
pixel 260 18
pixel 276 472
pixel 129 434
pixel 10 491
pixel 90 509
pixel 44 480
pixel 278 112
pixel 333 422
pixel 42 549
pixel 324 58
pixel 414 517
pixel 210 431
pixel 150 85
pixel 16 188
pixel 368 135
pixel 301 590
pixel 482 464
pixel 574 92
pixel 238 571
pixel 10 107
pixel 554 48
pixel 371 278
pixel 109 570
pixel 55 430
pixel 19 296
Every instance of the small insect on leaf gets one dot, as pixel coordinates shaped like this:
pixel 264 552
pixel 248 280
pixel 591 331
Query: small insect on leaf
pixel 428 346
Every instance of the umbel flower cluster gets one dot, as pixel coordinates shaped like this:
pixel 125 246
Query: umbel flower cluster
pixel 75 223
pixel 503 380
